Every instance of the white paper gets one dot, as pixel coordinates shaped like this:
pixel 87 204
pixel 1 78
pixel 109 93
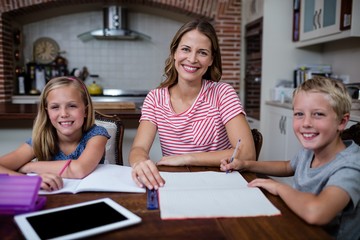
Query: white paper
pixel 105 178
pixel 210 195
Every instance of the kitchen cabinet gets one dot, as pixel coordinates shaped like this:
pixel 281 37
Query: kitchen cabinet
pixel 284 144
pixel 280 56
pixel 328 20
pixel 319 18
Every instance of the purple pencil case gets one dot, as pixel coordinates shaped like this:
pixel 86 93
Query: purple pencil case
pixel 19 194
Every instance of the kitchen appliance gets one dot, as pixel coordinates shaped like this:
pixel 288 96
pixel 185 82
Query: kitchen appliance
pixel 94 88
pixel 112 95
pixel 115 27
pixel 354 90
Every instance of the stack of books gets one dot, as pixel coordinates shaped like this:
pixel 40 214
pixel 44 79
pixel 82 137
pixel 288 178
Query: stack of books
pixel 307 71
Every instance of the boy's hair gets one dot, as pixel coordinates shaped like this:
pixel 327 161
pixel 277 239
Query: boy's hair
pixel 336 91
pixel 44 136
pixel 214 71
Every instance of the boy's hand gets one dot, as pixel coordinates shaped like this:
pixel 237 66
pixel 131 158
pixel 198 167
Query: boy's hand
pixel 268 184
pixel 236 164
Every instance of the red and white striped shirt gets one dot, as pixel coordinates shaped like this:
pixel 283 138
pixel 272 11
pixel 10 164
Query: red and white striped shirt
pixel 201 128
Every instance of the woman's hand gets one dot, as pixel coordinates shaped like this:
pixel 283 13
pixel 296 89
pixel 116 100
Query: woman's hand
pixel 146 173
pixel 175 160
pixel 51 182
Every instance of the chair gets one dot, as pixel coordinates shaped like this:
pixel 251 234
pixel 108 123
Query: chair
pixel 258 141
pixel 115 128
pixel 352 133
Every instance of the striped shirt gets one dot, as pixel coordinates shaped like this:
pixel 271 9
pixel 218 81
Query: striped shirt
pixel 201 128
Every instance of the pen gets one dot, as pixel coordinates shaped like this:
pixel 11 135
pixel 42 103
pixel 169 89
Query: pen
pixel 234 153
pixel 64 167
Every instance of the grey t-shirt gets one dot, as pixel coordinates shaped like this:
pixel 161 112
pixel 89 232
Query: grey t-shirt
pixel 342 172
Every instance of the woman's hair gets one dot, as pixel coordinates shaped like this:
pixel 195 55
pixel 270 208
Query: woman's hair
pixel 336 91
pixel 214 71
pixel 44 136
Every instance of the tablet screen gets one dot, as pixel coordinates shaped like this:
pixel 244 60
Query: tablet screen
pixel 76 220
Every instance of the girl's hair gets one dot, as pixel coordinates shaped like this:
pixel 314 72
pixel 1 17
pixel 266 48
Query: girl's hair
pixel 214 71
pixel 336 91
pixel 44 136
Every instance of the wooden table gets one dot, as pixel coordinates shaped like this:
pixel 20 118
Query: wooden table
pixel 285 226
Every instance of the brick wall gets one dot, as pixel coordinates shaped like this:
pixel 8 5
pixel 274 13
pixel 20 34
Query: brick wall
pixel 225 14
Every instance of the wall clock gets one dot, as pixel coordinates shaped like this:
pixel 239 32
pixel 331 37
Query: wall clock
pixel 45 50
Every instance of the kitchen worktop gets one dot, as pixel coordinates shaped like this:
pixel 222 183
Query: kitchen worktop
pixel 354 114
pixel 138 99
pixel 10 111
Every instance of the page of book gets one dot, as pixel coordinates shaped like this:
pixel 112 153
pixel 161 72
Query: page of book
pixel 209 195
pixel 105 178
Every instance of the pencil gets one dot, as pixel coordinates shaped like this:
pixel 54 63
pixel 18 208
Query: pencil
pixel 64 167
pixel 234 153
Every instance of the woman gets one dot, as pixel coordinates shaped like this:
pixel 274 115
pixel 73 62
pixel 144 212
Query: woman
pixel 199 120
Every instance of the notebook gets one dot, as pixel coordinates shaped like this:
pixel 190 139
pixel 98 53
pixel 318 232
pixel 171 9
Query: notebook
pixel 211 195
pixel 105 178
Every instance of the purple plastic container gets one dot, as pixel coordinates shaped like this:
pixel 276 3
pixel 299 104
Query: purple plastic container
pixel 19 194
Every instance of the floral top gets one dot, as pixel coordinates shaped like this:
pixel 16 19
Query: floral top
pixel 92 132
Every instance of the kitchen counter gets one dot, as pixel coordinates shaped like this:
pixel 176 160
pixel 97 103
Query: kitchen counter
pixel 16 123
pixel 354 114
pixel 10 111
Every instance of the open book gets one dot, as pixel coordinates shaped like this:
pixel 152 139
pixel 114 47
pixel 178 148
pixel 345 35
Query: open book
pixel 211 194
pixel 105 178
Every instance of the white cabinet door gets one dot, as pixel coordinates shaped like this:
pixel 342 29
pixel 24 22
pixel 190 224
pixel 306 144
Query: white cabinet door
pixel 283 144
pixel 319 18
pixel 292 144
pixel 276 138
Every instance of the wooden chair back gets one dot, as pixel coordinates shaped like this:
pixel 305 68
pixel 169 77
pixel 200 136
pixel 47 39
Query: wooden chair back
pixel 352 133
pixel 258 141
pixel 115 128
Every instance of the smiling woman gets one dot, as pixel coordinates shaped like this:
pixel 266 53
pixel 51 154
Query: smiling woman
pixel 199 120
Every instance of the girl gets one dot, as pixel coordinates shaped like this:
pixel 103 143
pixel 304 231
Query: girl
pixel 199 119
pixel 64 129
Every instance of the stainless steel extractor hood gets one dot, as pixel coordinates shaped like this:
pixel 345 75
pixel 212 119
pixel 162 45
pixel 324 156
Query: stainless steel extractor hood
pixel 114 27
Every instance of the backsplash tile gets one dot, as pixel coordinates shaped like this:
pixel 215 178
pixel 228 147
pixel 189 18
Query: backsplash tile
pixel 120 64
pixel 225 15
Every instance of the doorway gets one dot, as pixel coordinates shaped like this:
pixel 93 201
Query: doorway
pixel 253 46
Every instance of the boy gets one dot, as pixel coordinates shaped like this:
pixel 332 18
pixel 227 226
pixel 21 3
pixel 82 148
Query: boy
pixel 326 171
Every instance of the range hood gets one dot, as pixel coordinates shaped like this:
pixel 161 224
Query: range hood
pixel 115 27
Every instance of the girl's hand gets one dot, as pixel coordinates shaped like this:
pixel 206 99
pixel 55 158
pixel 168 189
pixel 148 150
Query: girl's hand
pixel 146 173
pixel 268 184
pixel 51 182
